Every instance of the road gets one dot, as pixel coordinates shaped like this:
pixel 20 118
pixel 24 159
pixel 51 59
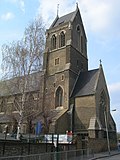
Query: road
pixel 115 157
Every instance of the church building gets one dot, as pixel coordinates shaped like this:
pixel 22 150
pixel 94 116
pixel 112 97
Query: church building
pixel 74 98
pixel 79 93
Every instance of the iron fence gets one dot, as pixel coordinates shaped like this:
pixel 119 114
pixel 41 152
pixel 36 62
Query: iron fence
pixel 82 154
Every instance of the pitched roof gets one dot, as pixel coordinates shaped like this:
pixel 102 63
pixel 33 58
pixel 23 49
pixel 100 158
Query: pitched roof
pixel 86 83
pixel 67 18
pixel 15 85
pixel 64 19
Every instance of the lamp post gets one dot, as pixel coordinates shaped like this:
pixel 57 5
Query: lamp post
pixel 107 133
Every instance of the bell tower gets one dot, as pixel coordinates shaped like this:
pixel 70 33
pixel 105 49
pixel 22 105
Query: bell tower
pixel 65 57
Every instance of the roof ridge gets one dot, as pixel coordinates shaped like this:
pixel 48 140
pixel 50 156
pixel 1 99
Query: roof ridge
pixel 65 18
pixel 97 79
pixel 67 14
pixel 77 9
pixel 75 84
pixel 90 70
pixel 55 20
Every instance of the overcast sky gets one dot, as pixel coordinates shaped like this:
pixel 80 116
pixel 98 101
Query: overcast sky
pixel 101 19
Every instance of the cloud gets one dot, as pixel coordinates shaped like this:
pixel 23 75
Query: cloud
pixel 115 87
pixel 99 16
pixel 96 13
pixel 48 9
pixel 22 5
pixel 7 16
pixel 12 1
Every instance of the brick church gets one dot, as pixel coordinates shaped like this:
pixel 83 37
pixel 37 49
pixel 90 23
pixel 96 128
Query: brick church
pixel 74 98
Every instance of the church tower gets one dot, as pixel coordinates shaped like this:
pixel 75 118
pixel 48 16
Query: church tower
pixel 64 58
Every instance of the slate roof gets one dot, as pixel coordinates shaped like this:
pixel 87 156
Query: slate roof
pixel 86 83
pixel 63 19
pixel 66 18
pixel 14 85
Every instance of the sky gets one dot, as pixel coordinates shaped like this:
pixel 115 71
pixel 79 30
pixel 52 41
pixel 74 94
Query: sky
pixel 101 19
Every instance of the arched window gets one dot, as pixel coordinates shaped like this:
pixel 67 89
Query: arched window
pixel 2 105
pixel 53 42
pixel 62 39
pixel 59 97
pixel 102 108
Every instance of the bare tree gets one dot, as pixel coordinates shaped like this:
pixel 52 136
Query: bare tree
pixel 20 60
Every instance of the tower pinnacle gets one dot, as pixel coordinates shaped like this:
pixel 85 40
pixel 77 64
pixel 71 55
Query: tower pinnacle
pixel 57 9
pixel 76 5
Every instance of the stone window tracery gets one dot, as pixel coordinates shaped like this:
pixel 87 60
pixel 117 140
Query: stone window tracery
pixel 62 39
pixel 102 108
pixel 53 42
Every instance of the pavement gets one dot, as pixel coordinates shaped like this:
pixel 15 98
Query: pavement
pixel 105 155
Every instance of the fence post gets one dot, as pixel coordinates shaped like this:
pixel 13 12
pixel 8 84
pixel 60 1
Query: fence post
pixel 57 148
pixel 22 149
pixel 6 131
pixel 66 155
pixel 39 157
pixel 3 148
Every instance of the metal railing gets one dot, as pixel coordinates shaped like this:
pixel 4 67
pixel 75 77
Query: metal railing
pixel 82 154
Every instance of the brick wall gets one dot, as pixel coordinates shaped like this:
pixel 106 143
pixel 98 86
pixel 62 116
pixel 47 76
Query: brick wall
pixel 100 145
pixel 14 148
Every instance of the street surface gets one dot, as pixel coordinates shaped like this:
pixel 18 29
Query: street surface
pixel 114 157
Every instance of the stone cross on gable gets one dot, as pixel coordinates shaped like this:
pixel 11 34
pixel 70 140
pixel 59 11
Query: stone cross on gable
pixel 100 61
